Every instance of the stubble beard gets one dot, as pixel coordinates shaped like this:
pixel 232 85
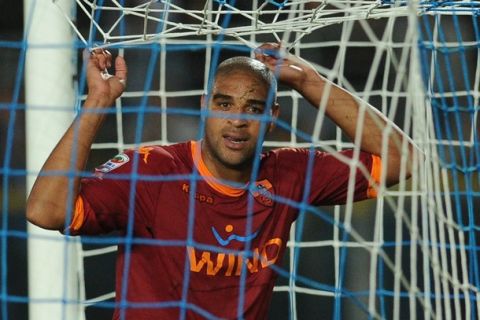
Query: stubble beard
pixel 219 154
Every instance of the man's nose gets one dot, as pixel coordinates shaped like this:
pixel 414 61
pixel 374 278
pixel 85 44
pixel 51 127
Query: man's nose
pixel 238 118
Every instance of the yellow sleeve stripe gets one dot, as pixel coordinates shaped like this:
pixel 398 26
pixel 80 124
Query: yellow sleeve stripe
pixel 375 174
pixel 78 215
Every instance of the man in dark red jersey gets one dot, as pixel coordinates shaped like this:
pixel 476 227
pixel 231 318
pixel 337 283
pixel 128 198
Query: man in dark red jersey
pixel 206 220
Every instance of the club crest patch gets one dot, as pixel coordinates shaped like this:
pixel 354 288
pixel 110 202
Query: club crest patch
pixel 112 164
pixel 263 192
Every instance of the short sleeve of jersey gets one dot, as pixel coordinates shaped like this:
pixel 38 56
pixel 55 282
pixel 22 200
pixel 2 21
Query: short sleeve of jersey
pixel 124 189
pixel 326 176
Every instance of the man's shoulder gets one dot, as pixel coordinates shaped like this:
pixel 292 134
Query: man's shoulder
pixel 294 159
pixel 148 159
pixel 160 158
pixel 161 153
pixel 290 154
pixel 280 154
pixel 283 160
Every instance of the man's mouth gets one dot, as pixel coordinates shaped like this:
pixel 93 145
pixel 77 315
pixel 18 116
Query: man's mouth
pixel 235 141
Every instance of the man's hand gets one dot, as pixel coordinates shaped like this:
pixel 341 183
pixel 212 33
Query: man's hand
pixel 290 70
pixel 103 87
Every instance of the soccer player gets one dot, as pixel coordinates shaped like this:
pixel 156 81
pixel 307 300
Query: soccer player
pixel 205 227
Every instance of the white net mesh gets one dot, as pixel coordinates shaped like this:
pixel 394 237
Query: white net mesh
pixel 412 253
pixel 155 20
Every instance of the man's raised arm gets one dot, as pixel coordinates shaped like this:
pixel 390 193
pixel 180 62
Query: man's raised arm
pixel 47 203
pixel 341 107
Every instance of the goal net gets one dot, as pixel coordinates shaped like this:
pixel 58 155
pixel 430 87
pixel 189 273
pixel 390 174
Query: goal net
pixel 410 253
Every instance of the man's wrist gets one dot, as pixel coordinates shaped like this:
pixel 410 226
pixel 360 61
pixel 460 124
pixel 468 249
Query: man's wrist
pixel 97 102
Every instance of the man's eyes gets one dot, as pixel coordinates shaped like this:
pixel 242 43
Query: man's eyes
pixel 224 104
pixel 251 108
pixel 255 109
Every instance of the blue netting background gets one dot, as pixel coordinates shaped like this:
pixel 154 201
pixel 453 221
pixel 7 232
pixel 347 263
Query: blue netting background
pixel 334 267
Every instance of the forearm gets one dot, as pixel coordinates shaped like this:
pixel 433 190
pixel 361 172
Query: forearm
pixel 365 125
pixel 57 184
pixel 376 134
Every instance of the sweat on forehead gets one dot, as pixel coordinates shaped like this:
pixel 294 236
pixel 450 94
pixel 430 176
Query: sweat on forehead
pixel 249 65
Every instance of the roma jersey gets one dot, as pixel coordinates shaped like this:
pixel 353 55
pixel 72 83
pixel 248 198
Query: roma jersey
pixel 192 242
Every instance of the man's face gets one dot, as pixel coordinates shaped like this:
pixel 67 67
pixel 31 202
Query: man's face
pixel 231 140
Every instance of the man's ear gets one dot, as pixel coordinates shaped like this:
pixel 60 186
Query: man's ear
pixel 275 114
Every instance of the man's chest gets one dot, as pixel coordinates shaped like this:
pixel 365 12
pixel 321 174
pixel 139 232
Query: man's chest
pixel 199 214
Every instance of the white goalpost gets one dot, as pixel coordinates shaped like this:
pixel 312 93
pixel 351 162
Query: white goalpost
pixel 50 96
pixel 410 254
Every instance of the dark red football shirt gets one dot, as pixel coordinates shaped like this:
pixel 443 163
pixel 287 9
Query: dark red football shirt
pixel 188 233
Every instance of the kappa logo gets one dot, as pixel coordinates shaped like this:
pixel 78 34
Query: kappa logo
pixel 198 196
pixel 112 164
pixel 263 192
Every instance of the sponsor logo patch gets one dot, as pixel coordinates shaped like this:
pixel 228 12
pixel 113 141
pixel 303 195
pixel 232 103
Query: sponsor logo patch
pixel 112 164
pixel 233 236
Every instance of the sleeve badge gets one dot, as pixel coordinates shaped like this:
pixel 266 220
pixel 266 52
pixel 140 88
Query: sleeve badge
pixel 112 164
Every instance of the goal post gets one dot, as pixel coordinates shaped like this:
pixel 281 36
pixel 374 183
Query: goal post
pixel 50 98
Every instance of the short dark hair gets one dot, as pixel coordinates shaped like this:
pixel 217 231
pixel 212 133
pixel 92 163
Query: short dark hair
pixel 250 65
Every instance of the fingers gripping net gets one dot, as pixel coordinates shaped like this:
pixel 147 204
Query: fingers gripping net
pixel 410 254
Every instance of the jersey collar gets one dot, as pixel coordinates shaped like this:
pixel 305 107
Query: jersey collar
pixel 213 182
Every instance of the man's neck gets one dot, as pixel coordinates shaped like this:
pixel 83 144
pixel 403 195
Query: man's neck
pixel 228 174
pixel 222 172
